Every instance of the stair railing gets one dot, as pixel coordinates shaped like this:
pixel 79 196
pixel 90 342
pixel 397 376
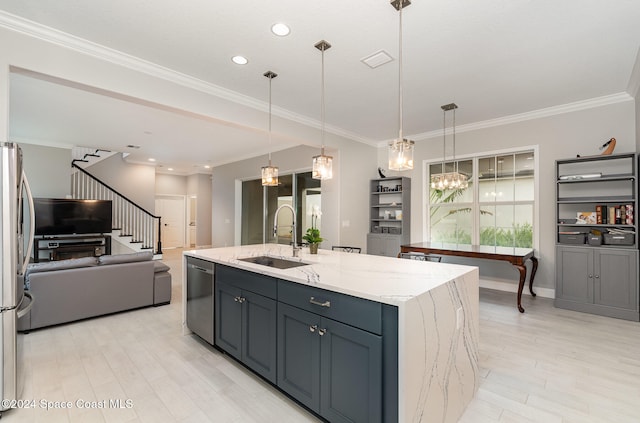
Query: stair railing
pixel 131 219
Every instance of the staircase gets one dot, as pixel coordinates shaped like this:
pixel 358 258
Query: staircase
pixel 132 225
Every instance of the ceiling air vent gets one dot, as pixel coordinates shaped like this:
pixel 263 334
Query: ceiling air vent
pixel 376 59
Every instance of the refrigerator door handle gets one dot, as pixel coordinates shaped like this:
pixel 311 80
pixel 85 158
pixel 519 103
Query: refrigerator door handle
pixel 21 312
pixel 32 222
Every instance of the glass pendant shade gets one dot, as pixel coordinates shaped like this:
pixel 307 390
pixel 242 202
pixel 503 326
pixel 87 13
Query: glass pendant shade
pixel 400 149
pixel 322 167
pixel 270 173
pixel 401 154
pixel 269 176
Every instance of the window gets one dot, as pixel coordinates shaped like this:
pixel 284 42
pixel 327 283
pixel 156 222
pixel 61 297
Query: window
pixel 497 208
pixel 259 205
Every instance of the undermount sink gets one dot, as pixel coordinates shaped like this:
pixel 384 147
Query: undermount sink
pixel 276 262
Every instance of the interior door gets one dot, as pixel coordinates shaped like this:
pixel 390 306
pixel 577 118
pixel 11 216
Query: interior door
pixel 172 212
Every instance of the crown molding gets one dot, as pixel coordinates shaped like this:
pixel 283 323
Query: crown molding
pixel 633 88
pixel 54 36
pixel 521 117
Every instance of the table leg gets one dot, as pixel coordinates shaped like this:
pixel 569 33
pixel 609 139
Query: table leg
pixel 523 275
pixel 534 267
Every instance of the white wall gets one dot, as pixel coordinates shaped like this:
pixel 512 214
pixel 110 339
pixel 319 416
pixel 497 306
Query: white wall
pixel 345 203
pixel 558 137
pixel 134 181
pixel 48 170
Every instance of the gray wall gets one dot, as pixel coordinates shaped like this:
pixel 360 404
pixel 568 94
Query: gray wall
pixel 48 170
pixel 199 185
pixel 557 137
pixel 171 184
pixel 136 182
pixel 345 204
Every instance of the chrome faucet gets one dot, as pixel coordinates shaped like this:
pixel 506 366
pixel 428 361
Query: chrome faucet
pixel 275 227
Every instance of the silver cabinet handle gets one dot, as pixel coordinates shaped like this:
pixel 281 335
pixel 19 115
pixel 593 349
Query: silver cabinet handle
pixel 322 331
pixel 313 328
pixel 590 276
pixel 313 300
pixel 597 276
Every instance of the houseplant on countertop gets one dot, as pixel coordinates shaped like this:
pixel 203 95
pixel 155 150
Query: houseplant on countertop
pixel 312 236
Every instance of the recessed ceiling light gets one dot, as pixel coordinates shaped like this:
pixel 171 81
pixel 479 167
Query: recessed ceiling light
pixel 169 168
pixel 152 159
pixel 207 167
pixel 280 29
pixel 239 60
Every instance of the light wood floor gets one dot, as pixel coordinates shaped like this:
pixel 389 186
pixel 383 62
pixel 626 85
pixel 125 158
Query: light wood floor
pixel 547 365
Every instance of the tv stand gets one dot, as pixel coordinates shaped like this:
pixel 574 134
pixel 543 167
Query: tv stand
pixel 52 248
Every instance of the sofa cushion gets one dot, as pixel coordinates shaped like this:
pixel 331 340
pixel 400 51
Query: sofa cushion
pixel 159 266
pixel 125 258
pixel 50 266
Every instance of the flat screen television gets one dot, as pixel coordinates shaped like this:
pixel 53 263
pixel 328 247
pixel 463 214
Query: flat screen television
pixel 62 216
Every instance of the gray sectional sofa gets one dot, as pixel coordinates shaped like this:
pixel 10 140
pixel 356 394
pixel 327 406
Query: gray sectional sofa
pixel 75 289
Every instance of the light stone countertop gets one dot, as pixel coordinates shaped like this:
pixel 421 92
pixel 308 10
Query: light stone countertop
pixel 438 317
pixel 387 280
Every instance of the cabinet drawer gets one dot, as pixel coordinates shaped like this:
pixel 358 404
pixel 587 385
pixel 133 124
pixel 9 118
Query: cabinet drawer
pixel 254 282
pixel 357 312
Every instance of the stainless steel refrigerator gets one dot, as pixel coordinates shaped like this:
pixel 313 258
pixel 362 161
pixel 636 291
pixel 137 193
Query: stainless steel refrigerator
pixel 16 215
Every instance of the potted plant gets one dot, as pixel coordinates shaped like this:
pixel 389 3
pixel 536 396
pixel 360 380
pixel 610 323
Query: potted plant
pixel 312 236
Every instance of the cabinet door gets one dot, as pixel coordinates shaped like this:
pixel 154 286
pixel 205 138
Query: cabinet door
pixel 229 319
pixel 351 374
pixel 616 280
pixel 259 334
pixel 375 244
pixel 574 274
pixel 299 355
pixel 392 246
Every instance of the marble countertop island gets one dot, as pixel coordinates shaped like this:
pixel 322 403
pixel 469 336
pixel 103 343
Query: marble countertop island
pixel 438 326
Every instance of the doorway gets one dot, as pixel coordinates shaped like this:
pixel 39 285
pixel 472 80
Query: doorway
pixel 259 205
pixel 171 208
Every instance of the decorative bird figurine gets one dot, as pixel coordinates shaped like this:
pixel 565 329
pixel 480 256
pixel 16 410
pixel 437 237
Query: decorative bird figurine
pixel 608 147
pixel 382 175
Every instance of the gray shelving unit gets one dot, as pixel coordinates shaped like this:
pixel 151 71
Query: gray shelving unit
pixel 597 247
pixel 389 216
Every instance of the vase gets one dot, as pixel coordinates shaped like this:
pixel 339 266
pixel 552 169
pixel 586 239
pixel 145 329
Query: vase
pixel 313 248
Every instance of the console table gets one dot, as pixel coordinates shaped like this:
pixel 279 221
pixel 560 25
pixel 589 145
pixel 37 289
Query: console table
pixel 516 256
pixel 51 248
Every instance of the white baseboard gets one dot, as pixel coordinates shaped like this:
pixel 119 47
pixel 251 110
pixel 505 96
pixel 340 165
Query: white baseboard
pixel 511 287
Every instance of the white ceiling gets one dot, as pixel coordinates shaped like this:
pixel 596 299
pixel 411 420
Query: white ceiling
pixel 494 58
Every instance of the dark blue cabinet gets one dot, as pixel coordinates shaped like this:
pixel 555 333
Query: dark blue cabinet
pixel 332 368
pixel 246 324
pixel 299 355
pixel 334 353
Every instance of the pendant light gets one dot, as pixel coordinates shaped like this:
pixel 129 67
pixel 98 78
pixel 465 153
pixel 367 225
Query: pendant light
pixel 455 179
pixel 270 173
pixel 322 164
pixel 400 149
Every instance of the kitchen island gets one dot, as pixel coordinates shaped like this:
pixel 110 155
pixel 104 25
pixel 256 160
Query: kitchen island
pixel 413 324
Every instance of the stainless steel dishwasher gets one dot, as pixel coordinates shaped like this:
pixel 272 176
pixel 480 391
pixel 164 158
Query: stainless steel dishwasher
pixel 200 298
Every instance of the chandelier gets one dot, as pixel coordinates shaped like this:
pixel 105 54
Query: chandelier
pixel 449 180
